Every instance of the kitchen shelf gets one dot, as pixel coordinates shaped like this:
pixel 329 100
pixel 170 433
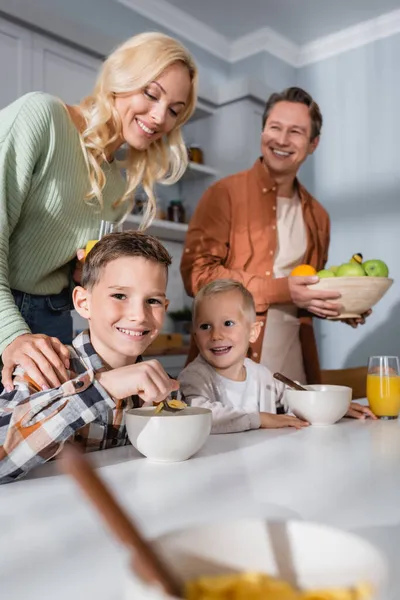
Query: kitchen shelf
pixel 165 230
pixel 196 170
pixel 202 111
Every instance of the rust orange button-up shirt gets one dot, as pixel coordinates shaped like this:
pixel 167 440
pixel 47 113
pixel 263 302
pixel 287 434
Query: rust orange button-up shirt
pixel 233 234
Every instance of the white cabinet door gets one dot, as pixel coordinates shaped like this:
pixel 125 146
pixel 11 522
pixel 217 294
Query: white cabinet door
pixel 15 71
pixel 62 71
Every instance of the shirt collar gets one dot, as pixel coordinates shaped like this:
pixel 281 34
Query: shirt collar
pixel 268 184
pixel 88 354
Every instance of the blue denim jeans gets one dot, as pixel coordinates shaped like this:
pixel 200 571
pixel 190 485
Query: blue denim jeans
pixel 50 315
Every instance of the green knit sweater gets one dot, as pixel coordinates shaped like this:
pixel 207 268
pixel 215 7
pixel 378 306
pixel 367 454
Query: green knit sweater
pixel 44 218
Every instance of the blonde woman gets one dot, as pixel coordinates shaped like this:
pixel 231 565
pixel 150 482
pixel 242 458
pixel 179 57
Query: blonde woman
pixel 59 179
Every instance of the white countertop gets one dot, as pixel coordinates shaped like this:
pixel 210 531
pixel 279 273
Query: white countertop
pixel 348 475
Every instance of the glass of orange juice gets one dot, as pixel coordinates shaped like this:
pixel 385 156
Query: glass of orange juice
pixel 105 228
pixel 383 386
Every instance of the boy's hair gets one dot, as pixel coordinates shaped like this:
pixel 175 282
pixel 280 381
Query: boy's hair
pixel 296 94
pixel 120 244
pixel 219 286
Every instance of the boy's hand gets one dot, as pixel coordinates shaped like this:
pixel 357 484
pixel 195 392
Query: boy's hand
pixel 358 411
pixel 271 421
pixel 146 379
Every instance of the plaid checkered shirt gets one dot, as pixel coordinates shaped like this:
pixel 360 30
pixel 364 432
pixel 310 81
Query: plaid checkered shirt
pixel 34 425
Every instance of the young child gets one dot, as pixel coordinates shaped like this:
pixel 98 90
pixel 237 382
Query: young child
pixel 123 296
pixel 241 393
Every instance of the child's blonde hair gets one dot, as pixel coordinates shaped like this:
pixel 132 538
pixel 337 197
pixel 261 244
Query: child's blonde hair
pixel 131 67
pixel 220 286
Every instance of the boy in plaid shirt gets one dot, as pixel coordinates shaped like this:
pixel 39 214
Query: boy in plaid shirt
pixel 123 296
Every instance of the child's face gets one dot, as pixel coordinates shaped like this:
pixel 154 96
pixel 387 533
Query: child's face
pixel 223 332
pixel 125 308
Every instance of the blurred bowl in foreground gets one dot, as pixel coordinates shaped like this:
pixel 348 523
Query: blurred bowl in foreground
pixel 307 555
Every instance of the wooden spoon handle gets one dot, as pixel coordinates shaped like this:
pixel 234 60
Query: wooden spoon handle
pixel 289 382
pixel 146 562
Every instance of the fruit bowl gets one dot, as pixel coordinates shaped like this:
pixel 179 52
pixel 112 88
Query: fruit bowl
pixel 358 294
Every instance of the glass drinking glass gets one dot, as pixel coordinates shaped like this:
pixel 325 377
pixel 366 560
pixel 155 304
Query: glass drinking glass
pixel 105 227
pixel 383 386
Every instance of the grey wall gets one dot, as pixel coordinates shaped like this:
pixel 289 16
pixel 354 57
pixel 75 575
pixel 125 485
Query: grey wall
pixel 355 173
pixel 272 71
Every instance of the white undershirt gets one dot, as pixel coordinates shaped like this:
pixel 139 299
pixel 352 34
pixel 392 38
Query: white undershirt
pixel 281 350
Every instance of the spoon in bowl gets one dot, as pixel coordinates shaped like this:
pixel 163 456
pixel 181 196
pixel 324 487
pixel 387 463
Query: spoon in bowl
pixel 289 382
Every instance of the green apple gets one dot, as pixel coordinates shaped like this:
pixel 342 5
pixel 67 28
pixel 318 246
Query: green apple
pixel 333 268
pixel 324 273
pixel 376 268
pixel 351 269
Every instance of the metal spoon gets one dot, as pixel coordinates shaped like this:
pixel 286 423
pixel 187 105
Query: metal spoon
pixel 289 382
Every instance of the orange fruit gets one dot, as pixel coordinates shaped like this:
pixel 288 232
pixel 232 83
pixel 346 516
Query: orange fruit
pixel 303 271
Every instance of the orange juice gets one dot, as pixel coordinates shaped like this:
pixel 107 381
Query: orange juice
pixel 383 393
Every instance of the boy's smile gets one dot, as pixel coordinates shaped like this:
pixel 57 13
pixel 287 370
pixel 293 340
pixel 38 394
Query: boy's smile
pixel 126 308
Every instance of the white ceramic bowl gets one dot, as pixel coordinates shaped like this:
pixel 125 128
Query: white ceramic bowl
pixel 359 294
pixel 306 554
pixel 320 404
pixel 168 437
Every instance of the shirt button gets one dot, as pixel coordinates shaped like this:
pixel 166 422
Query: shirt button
pixel 187 250
pixel 274 188
pixel 274 208
pixel 271 252
pixel 268 273
pixel 264 190
pixel 273 227
pixel 262 323
pixel 255 354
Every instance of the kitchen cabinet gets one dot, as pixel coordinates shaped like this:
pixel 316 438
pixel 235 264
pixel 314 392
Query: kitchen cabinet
pixel 62 71
pixel 15 69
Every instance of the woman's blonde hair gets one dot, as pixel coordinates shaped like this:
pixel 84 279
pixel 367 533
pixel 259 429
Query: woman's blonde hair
pixel 131 67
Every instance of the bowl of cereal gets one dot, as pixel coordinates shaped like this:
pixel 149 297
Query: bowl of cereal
pixel 168 436
pixel 283 560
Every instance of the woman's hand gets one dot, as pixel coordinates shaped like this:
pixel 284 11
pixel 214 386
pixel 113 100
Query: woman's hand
pixel 77 274
pixel 314 300
pixel 44 359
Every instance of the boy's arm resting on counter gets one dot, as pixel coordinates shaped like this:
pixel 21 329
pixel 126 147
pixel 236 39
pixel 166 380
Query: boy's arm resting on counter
pixel 35 425
pixel 206 252
pixel 195 387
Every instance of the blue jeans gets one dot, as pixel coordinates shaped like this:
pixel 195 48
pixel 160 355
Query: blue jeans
pixel 50 315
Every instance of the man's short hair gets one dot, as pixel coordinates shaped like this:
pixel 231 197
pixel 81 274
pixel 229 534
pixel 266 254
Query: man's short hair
pixel 120 244
pixel 296 94
pixel 219 286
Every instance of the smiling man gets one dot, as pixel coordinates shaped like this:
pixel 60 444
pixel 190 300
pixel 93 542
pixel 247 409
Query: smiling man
pixel 257 225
